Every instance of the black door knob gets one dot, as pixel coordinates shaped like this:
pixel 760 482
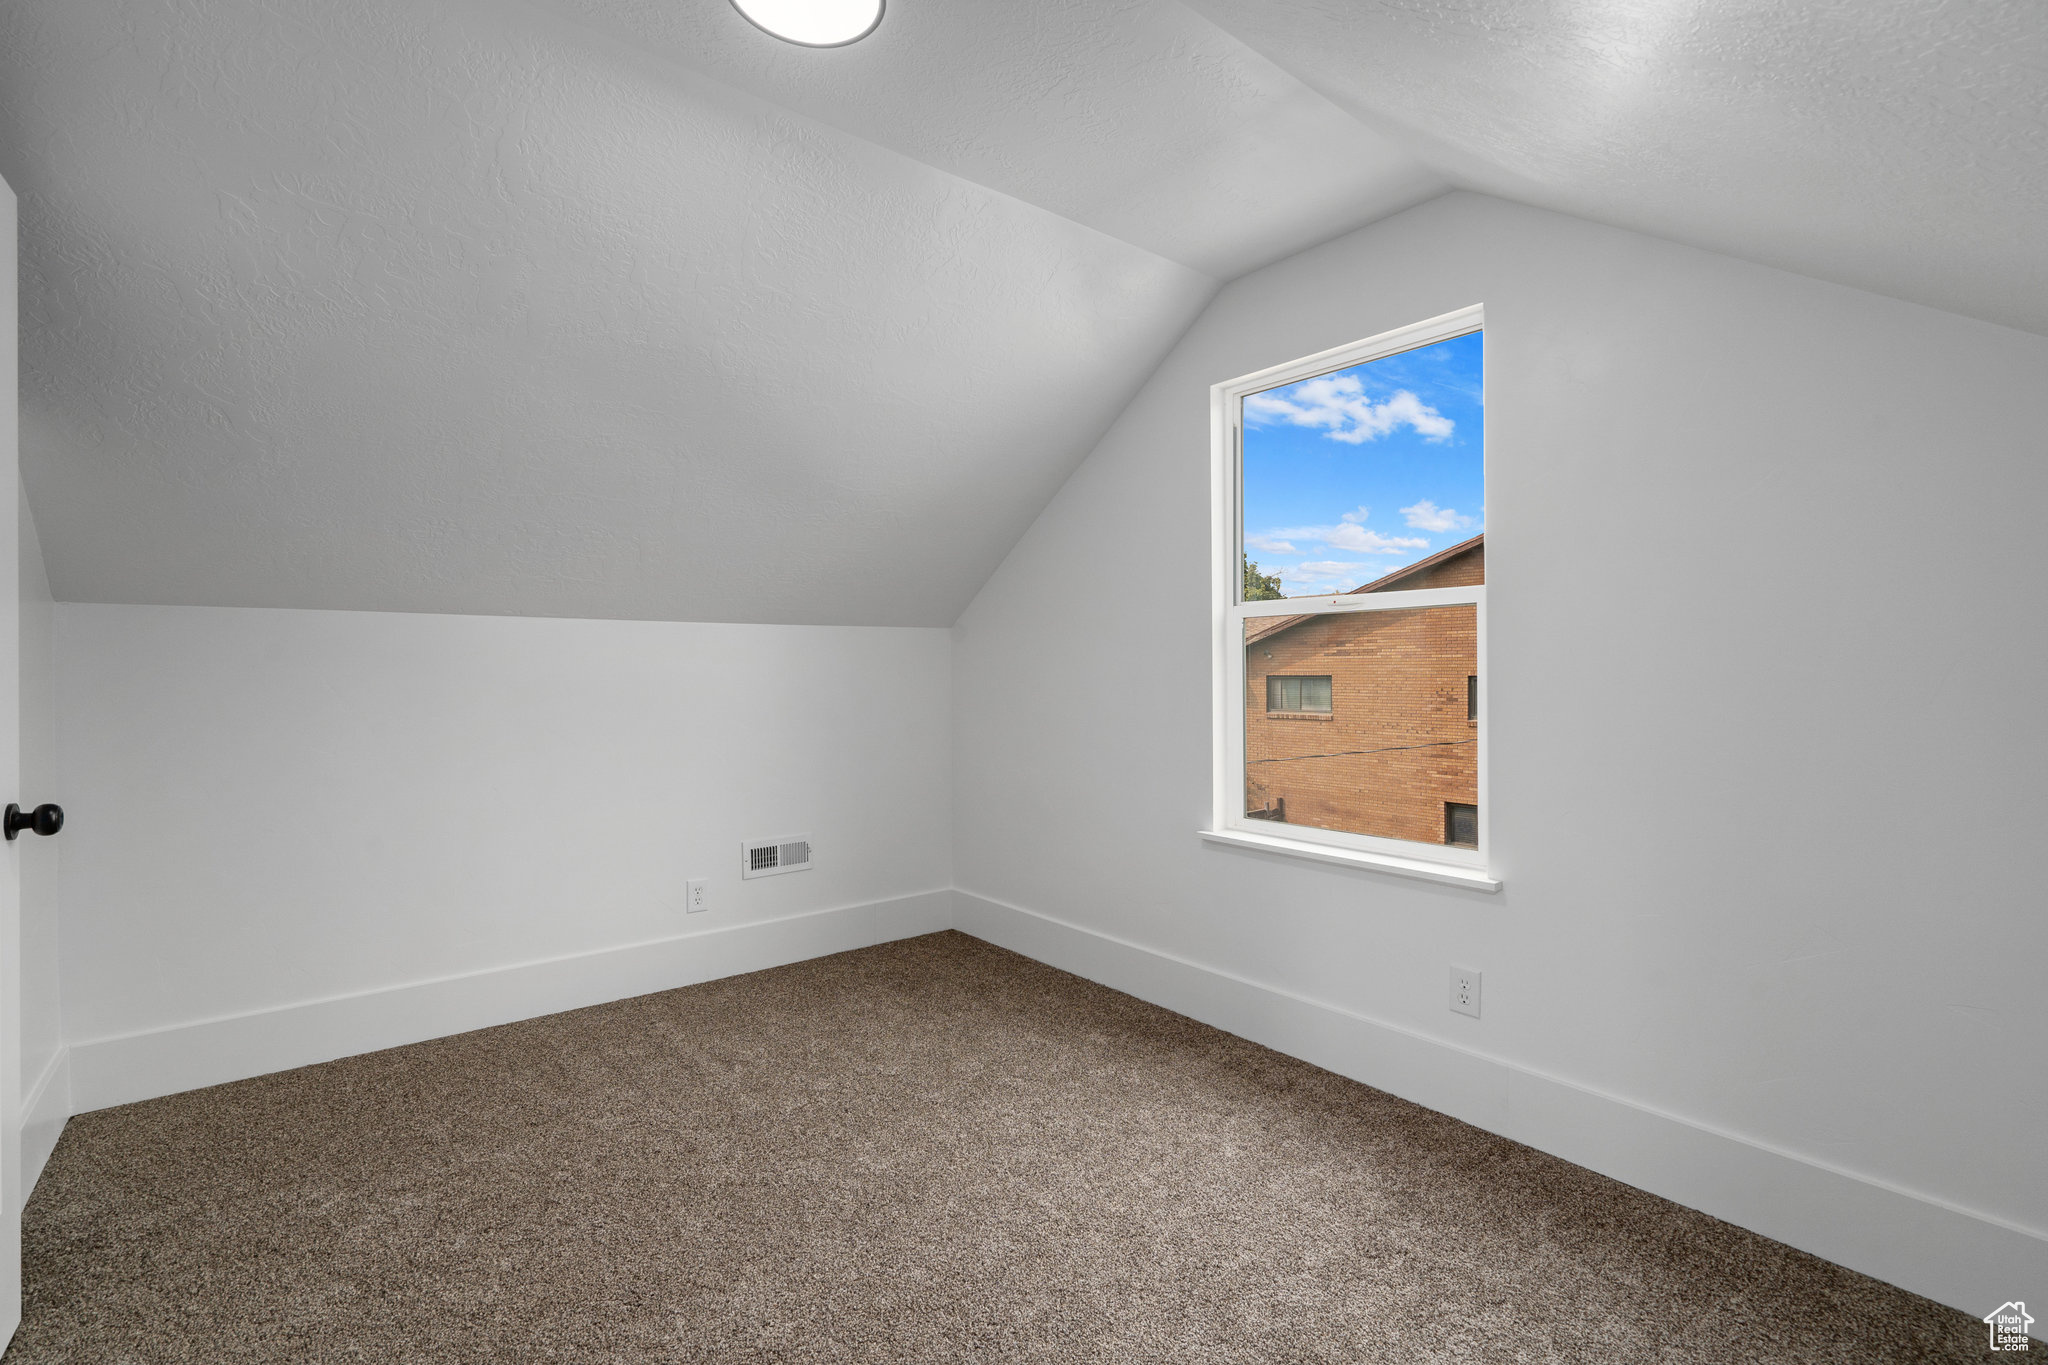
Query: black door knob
pixel 44 819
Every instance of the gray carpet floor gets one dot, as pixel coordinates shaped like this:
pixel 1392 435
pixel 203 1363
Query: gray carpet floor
pixel 931 1150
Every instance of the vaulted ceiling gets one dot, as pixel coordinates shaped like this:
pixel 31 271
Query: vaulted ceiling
pixel 620 308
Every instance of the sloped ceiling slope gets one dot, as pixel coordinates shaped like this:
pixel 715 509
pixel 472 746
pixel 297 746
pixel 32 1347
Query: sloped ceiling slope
pixel 619 308
pixel 1138 117
pixel 474 306
pixel 1899 146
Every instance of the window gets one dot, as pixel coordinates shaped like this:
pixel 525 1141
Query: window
pixel 1297 694
pixel 1351 563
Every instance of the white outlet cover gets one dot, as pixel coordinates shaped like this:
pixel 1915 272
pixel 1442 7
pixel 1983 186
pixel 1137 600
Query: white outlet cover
pixel 1465 991
pixel 696 897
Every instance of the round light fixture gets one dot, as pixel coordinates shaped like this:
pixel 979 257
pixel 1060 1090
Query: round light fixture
pixel 813 23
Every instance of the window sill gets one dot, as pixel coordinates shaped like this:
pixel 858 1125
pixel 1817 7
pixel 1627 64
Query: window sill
pixel 1300 715
pixel 1471 878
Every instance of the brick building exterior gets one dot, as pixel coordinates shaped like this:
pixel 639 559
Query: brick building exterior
pixel 1388 745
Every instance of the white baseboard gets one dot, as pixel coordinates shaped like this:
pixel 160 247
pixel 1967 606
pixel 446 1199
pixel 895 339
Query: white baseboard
pixel 1968 1260
pixel 139 1066
pixel 44 1110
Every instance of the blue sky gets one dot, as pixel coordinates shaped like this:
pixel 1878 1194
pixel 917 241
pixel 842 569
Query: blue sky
pixel 1352 474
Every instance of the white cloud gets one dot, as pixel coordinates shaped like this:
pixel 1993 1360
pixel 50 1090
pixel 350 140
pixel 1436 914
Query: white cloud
pixel 1427 516
pixel 1361 541
pixel 1324 575
pixel 1345 535
pixel 1359 516
pixel 1337 404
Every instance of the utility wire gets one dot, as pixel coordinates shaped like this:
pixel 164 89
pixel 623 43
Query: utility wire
pixel 1347 753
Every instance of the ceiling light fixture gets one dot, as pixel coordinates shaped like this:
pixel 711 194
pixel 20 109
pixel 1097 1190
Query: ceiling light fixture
pixel 813 23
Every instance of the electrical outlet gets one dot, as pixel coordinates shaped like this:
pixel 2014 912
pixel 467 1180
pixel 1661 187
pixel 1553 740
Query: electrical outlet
pixel 1465 991
pixel 696 897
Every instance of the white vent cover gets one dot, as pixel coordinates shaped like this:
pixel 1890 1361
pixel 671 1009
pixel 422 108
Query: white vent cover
pixel 766 857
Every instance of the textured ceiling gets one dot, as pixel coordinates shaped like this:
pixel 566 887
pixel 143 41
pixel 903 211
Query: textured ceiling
pixel 464 307
pixel 1900 146
pixel 620 308
pixel 1138 117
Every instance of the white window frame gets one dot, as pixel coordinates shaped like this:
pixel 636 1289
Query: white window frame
pixel 1228 823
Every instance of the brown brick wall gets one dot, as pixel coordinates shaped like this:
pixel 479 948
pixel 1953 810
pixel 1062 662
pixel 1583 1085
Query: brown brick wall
pixel 1397 681
pixel 1467 570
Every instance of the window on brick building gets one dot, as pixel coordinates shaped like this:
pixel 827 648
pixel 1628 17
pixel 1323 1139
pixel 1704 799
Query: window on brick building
pixel 1355 480
pixel 1297 694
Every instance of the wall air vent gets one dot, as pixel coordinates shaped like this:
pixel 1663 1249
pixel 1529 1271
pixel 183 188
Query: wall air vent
pixel 766 857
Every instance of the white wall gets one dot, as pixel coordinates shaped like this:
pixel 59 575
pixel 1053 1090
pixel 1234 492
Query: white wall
pixel 1765 654
pixel 1767 651
pixel 46 1096
pixel 11 1163
pixel 286 821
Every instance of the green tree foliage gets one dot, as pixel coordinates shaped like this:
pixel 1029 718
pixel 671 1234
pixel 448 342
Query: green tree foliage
pixel 1260 587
